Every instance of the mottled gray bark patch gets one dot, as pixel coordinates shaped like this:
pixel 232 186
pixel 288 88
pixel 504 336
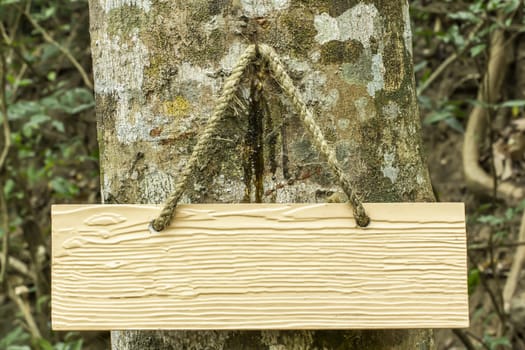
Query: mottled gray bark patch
pixel 357 23
pixel 257 8
pixel 109 5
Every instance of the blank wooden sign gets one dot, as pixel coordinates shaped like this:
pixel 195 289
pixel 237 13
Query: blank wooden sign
pixel 259 266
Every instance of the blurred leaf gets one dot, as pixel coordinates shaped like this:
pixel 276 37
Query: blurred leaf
pixel 448 113
pixel 484 207
pixel 42 301
pixel 17 335
pixel 76 345
pixel 425 102
pixel 455 124
pixel 500 235
pixel 44 344
pixel 520 206
pixel 439 116
pixel 477 7
pixel 490 219
pixel 9 2
pixel 419 66
pixel 63 187
pixel 73 344
pixel 477 49
pixel 473 280
pixel 45 13
pixel 513 103
pixel 72 101
pixel 482 104
pixel 8 187
pixel 24 109
pixel 38 119
pixel 497 343
pixel 26 153
pixel 23 82
pixel 57 124
pixel 454 36
pixel 465 16
pixel 49 52
pixel 507 6
pixel 52 76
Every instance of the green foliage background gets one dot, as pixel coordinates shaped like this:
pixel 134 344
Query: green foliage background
pixel 52 158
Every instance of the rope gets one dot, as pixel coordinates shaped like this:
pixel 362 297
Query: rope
pixel 306 116
pixel 228 93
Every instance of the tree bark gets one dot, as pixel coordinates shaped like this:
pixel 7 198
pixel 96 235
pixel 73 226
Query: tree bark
pixel 159 66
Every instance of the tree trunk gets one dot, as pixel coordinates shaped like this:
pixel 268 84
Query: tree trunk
pixel 159 67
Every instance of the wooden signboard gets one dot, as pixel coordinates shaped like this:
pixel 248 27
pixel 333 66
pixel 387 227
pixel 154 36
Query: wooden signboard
pixel 259 266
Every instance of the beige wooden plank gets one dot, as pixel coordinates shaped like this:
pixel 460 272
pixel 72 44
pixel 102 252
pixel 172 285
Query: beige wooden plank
pixel 259 266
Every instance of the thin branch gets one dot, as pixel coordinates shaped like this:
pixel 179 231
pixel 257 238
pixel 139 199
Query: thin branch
pixel 3 31
pixel 498 294
pixel 4 217
pixel 47 37
pixel 18 266
pixel 16 51
pixel 490 292
pixel 464 339
pixel 9 42
pixel 3 109
pixel 500 245
pixel 490 92
pixel 515 271
pixel 14 295
pixel 16 22
pixel 479 340
pixel 476 177
pixel 452 58
pixel 16 84
pixel 14 28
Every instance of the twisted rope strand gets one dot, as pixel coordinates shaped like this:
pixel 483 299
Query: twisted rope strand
pixel 294 95
pixel 226 98
pixel 228 93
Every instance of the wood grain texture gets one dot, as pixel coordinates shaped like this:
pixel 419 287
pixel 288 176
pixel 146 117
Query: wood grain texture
pixel 259 266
